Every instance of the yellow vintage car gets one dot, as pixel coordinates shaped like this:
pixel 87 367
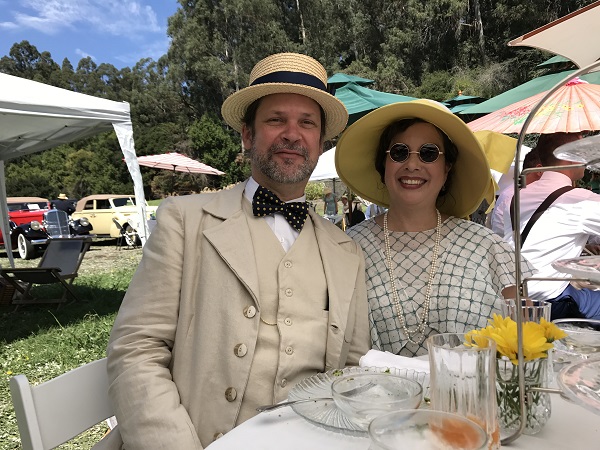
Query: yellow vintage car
pixel 101 209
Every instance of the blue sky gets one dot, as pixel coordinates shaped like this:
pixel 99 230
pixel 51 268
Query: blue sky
pixel 118 32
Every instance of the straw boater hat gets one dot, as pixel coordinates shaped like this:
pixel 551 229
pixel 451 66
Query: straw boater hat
pixel 62 197
pixel 356 149
pixel 287 73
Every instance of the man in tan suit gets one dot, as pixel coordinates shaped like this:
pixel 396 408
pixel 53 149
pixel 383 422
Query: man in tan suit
pixel 240 294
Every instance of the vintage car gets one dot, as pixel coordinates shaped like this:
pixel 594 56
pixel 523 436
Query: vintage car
pixel 24 210
pixel 109 214
pixel 32 223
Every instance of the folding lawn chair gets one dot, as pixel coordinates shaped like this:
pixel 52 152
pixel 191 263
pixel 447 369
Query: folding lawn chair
pixel 128 235
pixel 59 264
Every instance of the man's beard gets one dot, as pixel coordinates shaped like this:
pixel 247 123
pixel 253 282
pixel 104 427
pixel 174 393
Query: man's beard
pixel 276 171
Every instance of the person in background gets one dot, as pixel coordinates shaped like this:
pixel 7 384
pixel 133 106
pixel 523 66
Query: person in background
pixel 331 206
pixel 346 208
pixel 561 232
pixel 63 203
pixel 219 317
pixel 530 160
pixel 357 214
pixel 373 210
pixel 428 270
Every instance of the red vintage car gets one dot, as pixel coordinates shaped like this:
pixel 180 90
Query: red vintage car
pixel 24 210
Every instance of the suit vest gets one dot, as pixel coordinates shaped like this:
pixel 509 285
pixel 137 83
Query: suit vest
pixel 293 298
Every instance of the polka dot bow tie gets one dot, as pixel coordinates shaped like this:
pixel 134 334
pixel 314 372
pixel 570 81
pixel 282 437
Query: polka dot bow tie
pixel 265 203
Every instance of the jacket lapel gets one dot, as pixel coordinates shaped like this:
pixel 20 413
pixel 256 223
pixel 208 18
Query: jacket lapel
pixel 231 238
pixel 341 268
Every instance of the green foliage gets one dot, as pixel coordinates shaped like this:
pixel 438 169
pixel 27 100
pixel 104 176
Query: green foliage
pixel 426 49
pixel 314 191
pixel 219 148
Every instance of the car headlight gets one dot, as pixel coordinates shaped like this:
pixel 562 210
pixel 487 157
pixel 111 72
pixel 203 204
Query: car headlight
pixel 84 222
pixel 36 226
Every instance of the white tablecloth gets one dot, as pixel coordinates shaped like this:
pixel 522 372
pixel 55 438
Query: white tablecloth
pixel 570 427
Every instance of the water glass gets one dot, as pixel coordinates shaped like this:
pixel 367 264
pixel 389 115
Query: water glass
pixel 532 310
pixel 463 381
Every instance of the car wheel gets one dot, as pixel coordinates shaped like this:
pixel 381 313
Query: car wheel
pixel 26 248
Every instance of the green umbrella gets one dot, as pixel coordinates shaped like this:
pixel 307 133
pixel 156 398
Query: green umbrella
pixel 557 62
pixel 340 79
pixel 524 91
pixel 360 100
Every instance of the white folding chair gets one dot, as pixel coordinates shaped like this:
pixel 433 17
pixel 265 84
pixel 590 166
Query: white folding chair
pixel 54 412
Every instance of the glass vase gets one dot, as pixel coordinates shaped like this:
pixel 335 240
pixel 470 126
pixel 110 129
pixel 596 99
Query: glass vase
pixel 537 404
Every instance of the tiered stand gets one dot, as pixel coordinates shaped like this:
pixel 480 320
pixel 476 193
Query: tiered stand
pixel 519 182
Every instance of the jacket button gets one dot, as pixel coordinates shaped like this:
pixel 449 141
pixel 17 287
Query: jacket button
pixel 288 321
pixel 289 350
pixel 283 383
pixel 287 264
pixel 217 436
pixel 230 394
pixel 289 292
pixel 249 311
pixel 240 350
pixel 335 329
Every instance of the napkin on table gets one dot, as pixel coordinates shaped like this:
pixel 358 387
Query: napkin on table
pixel 376 358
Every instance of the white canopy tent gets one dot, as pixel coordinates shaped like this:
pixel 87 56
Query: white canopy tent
pixel 35 117
pixel 325 169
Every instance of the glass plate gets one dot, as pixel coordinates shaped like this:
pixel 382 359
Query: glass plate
pixel 325 413
pixel 581 383
pixel 583 267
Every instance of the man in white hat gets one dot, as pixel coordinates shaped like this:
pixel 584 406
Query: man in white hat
pixel 243 293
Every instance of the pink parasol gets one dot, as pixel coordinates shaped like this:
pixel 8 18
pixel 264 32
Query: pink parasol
pixel 177 163
pixel 572 108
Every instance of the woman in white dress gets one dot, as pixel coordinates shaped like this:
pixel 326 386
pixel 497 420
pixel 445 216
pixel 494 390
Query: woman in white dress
pixel 428 269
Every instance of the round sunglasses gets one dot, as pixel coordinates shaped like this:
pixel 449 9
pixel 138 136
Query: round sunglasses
pixel 428 153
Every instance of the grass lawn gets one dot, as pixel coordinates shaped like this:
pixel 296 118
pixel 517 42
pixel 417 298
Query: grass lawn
pixel 43 342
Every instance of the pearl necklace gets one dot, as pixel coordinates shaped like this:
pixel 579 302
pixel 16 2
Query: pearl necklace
pixel 419 332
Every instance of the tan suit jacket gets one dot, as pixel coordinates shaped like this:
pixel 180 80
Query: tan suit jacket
pixel 171 352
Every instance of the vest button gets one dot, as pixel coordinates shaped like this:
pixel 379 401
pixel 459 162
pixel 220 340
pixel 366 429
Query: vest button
pixel 287 264
pixel 249 311
pixel 288 321
pixel 289 350
pixel 240 350
pixel 230 394
pixel 217 436
pixel 283 383
pixel 289 292
pixel 335 329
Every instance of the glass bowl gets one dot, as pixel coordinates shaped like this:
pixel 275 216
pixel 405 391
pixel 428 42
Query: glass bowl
pixel 583 338
pixel 423 429
pixel 365 396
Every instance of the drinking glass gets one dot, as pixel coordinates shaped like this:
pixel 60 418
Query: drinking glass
pixel 532 310
pixel 463 381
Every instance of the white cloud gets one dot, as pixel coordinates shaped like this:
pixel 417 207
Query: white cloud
pixel 128 18
pixel 83 54
pixel 153 50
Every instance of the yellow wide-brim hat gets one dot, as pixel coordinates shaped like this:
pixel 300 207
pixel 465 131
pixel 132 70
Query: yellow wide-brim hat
pixel 287 73
pixel 356 150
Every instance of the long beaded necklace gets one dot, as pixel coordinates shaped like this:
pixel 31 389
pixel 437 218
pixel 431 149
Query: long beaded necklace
pixel 419 332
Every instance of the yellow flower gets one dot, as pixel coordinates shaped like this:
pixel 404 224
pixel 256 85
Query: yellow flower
pixel 551 331
pixel 537 338
pixel 9 372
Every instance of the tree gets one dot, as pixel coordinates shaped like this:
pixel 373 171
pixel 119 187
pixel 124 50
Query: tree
pixel 215 146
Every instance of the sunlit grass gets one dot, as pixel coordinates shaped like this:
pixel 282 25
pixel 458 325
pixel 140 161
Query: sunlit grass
pixel 43 342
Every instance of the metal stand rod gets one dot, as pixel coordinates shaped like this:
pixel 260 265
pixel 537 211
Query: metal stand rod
pixel 517 240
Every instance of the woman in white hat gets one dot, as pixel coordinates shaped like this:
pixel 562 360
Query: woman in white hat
pixel 428 270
